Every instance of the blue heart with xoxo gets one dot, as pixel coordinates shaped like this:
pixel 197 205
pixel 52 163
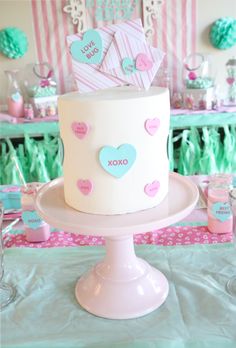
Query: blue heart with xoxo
pixel 117 161
pixel 31 219
pixel 221 211
pixel 89 49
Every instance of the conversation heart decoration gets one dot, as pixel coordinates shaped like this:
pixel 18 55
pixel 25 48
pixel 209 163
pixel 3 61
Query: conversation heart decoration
pixel 89 49
pixel 80 129
pixel 221 211
pixel 16 97
pixel 117 161
pixel 85 186
pixel 142 63
pixel 152 125
pixel 152 189
pixel 128 65
pixel 31 219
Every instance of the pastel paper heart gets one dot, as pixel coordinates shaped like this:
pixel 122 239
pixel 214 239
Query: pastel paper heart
pixel 152 189
pixel 117 161
pixel 152 125
pixel 31 219
pixel 89 49
pixel 143 63
pixel 128 66
pixel 230 80
pixel 85 186
pixel 16 97
pixel 80 129
pixel 221 211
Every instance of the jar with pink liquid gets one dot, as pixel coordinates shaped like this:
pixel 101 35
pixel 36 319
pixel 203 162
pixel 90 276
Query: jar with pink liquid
pixel 220 219
pixel 15 101
pixel 36 230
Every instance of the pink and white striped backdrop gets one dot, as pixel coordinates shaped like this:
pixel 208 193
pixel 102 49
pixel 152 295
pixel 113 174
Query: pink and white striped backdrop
pixel 175 33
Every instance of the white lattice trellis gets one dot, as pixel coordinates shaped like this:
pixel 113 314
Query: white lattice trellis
pixel 77 11
pixel 151 11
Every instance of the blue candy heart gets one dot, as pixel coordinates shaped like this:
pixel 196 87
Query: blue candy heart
pixel 89 49
pixel 31 219
pixel 128 65
pixel 117 161
pixel 16 96
pixel 221 211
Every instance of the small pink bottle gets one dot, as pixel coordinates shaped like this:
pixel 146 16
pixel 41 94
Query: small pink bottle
pixel 36 230
pixel 220 219
pixel 15 101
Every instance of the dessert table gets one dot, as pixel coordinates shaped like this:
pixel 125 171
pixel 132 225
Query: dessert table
pixel 197 313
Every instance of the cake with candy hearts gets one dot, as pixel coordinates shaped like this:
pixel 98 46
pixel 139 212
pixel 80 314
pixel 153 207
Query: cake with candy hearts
pixel 114 135
pixel 115 149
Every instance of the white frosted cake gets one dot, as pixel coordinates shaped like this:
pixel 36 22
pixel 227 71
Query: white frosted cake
pixel 115 149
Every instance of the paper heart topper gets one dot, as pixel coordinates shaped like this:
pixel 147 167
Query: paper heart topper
pixel 89 49
pixel 132 60
pixel 115 55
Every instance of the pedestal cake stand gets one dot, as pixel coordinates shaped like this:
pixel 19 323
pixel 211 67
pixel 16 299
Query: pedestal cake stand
pixel 121 286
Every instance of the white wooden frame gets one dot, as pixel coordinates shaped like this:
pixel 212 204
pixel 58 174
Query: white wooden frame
pixel 151 10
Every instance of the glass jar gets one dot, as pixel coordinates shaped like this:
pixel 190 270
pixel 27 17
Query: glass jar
pixel 15 101
pixel 36 230
pixel 219 213
pixel 39 80
pixel 231 82
pixel 197 72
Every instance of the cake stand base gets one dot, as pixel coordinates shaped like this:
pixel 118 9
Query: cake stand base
pixel 121 286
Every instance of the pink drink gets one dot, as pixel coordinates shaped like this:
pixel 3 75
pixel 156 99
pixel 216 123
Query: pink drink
pixel 16 107
pixel 220 218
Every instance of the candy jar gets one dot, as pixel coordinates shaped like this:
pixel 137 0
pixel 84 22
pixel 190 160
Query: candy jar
pixel 177 101
pixel 39 80
pixel 36 230
pixel 197 72
pixel 220 218
pixel 15 101
pixel 28 111
pixel 231 82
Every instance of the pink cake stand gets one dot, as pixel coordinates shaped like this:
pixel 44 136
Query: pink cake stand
pixel 121 286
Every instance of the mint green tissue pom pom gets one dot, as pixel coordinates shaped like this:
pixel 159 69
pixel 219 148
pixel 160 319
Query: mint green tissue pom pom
pixel 223 33
pixel 13 42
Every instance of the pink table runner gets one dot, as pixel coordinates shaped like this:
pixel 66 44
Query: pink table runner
pixel 174 235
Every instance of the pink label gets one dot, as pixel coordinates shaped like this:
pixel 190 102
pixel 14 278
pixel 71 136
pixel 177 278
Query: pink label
pixel 152 125
pixel 85 186
pixel 80 129
pixel 152 189
pixel 143 63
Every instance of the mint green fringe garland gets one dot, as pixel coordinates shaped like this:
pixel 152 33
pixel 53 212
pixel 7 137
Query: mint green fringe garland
pixel 205 150
pixel 38 160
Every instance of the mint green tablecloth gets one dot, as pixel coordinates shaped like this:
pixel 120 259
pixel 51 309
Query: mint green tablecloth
pixel 198 312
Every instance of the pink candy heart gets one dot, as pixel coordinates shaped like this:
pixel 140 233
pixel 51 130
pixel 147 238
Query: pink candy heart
pixel 152 189
pixel 143 63
pixel 80 129
pixel 152 125
pixel 85 186
pixel 230 80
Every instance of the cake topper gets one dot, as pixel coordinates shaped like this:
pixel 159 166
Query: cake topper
pixel 115 55
pixel 89 49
